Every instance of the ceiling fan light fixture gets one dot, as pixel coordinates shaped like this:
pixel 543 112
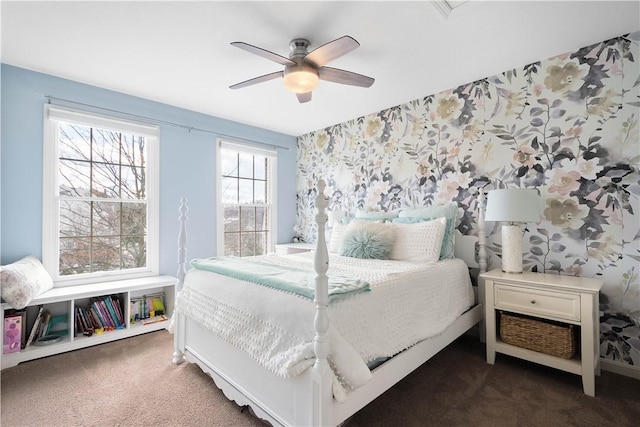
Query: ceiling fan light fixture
pixel 303 69
pixel 301 80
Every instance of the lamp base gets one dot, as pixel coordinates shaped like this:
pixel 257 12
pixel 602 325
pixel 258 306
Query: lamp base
pixel 511 249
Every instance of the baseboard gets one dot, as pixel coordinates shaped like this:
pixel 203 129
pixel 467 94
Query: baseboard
pixel 620 368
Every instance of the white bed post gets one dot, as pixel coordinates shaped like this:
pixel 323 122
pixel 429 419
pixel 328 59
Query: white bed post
pixel 482 236
pixel 322 376
pixel 178 356
pixel 482 258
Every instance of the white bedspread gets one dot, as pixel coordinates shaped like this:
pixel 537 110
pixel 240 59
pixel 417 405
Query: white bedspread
pixel 408 303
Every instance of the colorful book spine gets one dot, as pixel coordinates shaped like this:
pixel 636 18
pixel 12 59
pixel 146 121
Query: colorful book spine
pixel 34 328
pixel 112 313
pixel 106 315
pixel 118 308
pixel 99 316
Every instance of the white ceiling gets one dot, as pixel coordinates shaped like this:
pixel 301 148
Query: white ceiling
pixel 178 52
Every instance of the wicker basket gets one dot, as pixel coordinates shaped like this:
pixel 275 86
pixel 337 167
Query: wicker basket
pixel 547 337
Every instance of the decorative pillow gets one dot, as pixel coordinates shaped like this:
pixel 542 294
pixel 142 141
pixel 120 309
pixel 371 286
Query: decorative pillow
pixel 376 215
pixel 346 219
pixel 447 249
pixel 421 241
pixel 450 212
pixel 24 280
pixel 368 240
pixel 335 239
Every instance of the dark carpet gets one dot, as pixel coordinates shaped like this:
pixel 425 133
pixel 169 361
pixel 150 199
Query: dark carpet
pixel 132 382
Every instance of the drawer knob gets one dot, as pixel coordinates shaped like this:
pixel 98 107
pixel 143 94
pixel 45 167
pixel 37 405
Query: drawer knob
pixel 533 301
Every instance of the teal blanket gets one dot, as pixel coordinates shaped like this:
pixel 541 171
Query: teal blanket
pixel 300 282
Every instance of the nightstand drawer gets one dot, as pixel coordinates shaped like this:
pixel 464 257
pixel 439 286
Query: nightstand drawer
pixel 565 306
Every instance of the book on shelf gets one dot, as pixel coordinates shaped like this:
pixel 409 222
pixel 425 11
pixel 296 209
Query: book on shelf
pixel 12 338
pixel 112 313
pixel 44 324
pixel 115 302
pixel 99 312
pixel 23 324
pixel 155 319
pixel 100 315
pixel 149 306
pixel 34 328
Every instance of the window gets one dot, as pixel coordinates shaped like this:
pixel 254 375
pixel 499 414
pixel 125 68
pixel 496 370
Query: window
pixel 100 204
pixel 247 195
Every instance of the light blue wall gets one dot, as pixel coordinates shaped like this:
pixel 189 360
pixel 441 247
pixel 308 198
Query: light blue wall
pixel 187 163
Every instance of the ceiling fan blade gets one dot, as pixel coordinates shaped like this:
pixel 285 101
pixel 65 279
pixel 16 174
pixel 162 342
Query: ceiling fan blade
pixel 257 80
pixel 344 77
pixel 304 97
pixel 332 50
pixel 264 53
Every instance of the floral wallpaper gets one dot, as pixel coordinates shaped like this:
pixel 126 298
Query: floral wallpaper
pixel 566 126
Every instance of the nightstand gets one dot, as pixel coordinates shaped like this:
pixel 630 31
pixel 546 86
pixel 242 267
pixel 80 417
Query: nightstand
pixel 294 248
pixel 566 299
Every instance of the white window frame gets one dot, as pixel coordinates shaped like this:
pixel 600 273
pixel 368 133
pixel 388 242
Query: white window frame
pixel 272 195
pixel 51 200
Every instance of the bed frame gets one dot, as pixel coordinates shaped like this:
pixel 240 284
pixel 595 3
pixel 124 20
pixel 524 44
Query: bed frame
pixel 308 399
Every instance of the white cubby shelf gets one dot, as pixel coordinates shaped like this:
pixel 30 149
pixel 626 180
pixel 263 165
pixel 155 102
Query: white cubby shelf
pixel 63 300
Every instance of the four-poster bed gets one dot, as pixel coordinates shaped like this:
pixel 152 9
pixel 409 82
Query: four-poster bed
pixel 312 396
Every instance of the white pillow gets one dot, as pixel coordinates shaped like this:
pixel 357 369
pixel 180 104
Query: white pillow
pixel 335 240
pixel 449 211
pixel 418 242
pixel 24 280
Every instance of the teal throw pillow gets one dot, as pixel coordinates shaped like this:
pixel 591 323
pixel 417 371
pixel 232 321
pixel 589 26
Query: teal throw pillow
pixel 367 240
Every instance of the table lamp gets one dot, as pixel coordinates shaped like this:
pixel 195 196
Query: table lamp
pixel 512 206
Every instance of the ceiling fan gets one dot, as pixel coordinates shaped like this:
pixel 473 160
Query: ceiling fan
pixel 303 69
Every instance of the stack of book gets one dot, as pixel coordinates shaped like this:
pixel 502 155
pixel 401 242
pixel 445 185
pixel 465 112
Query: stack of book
pixel 103 314
pixel 41 326
pixel 148 308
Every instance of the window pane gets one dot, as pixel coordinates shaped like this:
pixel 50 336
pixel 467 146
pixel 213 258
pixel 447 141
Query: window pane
pixel 106 146
pixel 260 167
pixel 232 244
pixel 261 219
pixel 231 218
pixel 100 165
pixel 133 252
pixel 106 180
pixel 245 165
pixel 105 254
pixel 106 219
pixel 247 219
pixel 75 256
pixel 132 181
pixel 260 191
pixel 74 178
pixel 242 218
pixel 134 219
pixel 247 246
pixel 229 190
pixel 229 163
pixel 261 243
pixel 74 141
pixel 133 150
pixel 75 219
pixel 245 191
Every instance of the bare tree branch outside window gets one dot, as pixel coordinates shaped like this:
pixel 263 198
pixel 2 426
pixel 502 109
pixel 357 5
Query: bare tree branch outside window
pixel 103 206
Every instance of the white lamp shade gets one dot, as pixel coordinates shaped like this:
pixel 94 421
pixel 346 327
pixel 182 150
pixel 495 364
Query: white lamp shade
pixel 513 205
